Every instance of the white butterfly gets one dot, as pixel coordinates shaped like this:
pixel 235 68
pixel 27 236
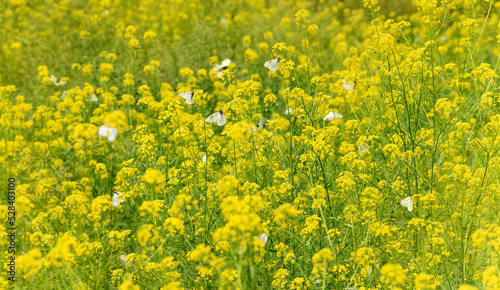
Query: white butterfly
pixel 127 262
pixel 217 117
pixel 408 203
pixel 204 158
pixel 223 21
pixel 332 116
pixel 110 132
pixel 260 125
pixel 223 65
pixel 188 96
pixel 361 149
pixel 116 200
pixel 263 238
pixel 272 64
pixel 94 98
pixel 57 83
pixel 64 94
pixel 348 86
pixel 288 111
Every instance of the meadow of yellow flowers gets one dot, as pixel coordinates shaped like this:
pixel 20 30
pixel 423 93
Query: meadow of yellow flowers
pixel 364 154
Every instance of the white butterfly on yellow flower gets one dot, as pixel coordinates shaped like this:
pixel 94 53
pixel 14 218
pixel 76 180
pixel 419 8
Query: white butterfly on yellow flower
pixel 332 116
pixel 188 96
pixel 260 125
pixel 362 149
pixel 272 64
pixel 223 65
pixel 116 199
pixel 109 132
pixel 408 203
pixel 128 262
pixel 57 83
pixel 348 86
pixel 217 117
pixel 263 238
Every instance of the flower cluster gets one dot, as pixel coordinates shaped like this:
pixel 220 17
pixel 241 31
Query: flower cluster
pixel 269 145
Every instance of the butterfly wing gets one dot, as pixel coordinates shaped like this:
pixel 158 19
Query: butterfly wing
pixel 337 115
pixel 347 86
pixel 410 206
pixel 272 64
pixel 217 67
pixel 362 149
pixel 57 83
pixel 188 96
pixel 212 118
pixel 408 203
pixel 225 63
pixel 127 262
pixel 115 200
pixel 221 119
pixel 103 131
pixel 263 238
pixel 53 79
pixel 329 116
pixel 113 132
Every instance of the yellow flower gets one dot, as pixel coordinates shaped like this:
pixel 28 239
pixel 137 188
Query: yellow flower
pixel 173 286
pixel 63 251
pixel 301 17
pixel 228 276
pixel 199 254
pixel 87 69
pixel 117 119
pixel 467 287
pixel 128 285
pixel 227 184
pixel 426 281
pixel 284 211
pixel 247 40
pixel 312 30
pixel 153 176
pixel 153 208
pixel 323 256
pixel 393 274
pixel 144 234
pixel 84 34
pixel 174 225
pixel 43 71
pixel 371 5
pixel 30 263
pixel 263 47
pixel 106 68
pixel 251 56
pixel 133 44
pixel 149 36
